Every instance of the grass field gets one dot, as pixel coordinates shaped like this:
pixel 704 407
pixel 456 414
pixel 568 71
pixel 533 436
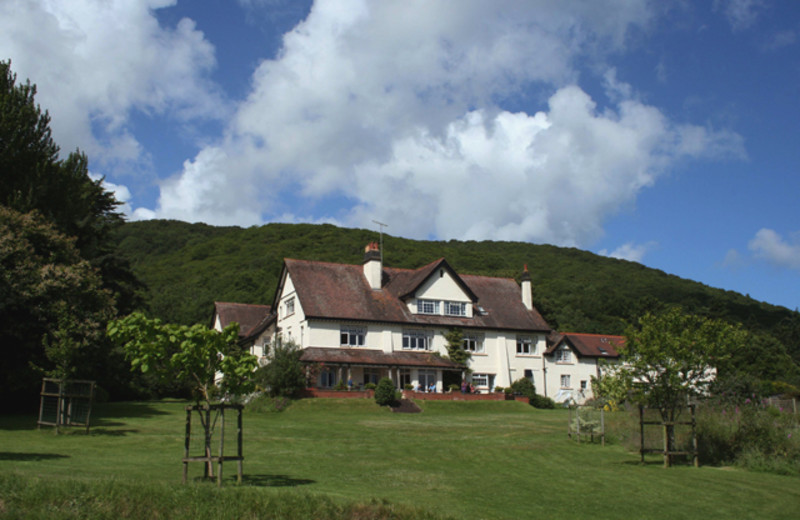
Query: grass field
pixel 494 460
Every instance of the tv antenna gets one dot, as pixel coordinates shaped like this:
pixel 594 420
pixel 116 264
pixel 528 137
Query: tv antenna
pixel 382 225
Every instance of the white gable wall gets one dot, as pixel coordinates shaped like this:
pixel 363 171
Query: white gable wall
pixel 291 321
pixel 441 286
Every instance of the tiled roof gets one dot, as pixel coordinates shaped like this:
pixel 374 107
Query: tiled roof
pixel 246 315
pixel 370 357
pixel 588 345
pixel 340 291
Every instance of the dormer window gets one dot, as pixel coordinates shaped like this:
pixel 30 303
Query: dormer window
pixel 455 308
pixel 427 306
pixel 563 356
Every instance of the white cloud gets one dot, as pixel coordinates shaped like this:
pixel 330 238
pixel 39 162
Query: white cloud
pixel 630 251
pixel 393 107
pixel 770 246
pixel 96 62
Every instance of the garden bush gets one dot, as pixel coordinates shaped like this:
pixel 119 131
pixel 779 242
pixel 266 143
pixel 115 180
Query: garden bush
pixel 540 401
pixel 523 386
pixel 385 393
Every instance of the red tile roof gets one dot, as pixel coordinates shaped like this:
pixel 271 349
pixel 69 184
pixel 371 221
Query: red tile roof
pixel 588 345
pixel 246 315
pixel 340 291
pixel 371 357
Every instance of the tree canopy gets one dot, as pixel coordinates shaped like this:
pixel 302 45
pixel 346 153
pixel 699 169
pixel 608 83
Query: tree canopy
pixel 53 308
pixel 192 355
pixel 672 356
pixel 34 177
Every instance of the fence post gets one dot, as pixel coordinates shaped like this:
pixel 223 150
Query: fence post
pixel 641 432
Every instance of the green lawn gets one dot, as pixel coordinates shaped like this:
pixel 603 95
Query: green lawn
pixel 464 460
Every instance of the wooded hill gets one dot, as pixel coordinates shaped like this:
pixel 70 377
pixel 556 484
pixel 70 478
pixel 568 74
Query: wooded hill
pixel 189 266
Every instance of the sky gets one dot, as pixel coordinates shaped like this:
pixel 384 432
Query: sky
pixel 660 132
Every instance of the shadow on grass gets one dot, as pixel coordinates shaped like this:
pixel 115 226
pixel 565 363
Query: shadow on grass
pixel 30 457
pixel 103 415
pixel 111 433
pixel 275 481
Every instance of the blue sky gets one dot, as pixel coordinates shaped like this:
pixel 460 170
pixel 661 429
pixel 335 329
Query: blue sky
pixel 660 132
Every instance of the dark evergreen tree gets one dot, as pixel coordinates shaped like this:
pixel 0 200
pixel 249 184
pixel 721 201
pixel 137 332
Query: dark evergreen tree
pixel 33 177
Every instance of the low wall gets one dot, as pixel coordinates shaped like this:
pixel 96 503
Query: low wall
pixel 338 394
pixel 411 394
pixel 455 396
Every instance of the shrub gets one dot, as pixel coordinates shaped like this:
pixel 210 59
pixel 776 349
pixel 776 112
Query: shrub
pixel 408 386
pixel 499 389
pixel 540 401
pixel 524 387
pixel 370 386
pixel 454 388
pixel 385 392
pixel 284 375
pixel 340 386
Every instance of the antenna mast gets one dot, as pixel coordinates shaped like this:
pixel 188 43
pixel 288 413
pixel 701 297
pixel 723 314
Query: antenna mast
pixel 382 225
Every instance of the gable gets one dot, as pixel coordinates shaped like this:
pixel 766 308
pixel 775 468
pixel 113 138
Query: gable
pixel 442 285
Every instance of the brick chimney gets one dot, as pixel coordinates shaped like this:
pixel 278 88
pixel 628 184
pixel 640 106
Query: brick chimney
pixel 373 270
pixel 527 292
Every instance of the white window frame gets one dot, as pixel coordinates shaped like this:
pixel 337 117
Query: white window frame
pixel 455 308
pixel 427 306
pixel 417 340
pixel 564 355
pixel 355 336
pixel 482 380
pixel 525 343
pixel 288 307
pixel 472 343
pixel 565 381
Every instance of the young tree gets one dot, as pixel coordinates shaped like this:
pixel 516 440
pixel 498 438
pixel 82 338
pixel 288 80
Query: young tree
pixel 455 347
pixel 191 355
pixel 672 356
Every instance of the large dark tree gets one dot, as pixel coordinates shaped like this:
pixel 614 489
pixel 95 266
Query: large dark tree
pixel 61 278
pixel 34 177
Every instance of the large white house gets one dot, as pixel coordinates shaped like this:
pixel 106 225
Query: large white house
pixel 359 323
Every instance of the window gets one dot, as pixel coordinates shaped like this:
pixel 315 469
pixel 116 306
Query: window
pixel 405 377
pixel 565 381
pixel 426 379
pixel 473 343
pixel 563 356
pixel 427 307
pixel 525 346
pixel 288 307
pixel 371 376
pixel 529 374
pixel 327 378
pixel 483 380
pixel 352 336
pixel 583 384
pixel 416 340
pixel 455 308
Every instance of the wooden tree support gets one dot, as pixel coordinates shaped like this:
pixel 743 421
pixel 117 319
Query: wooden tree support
pixel 665 451
pixel 66 402
pixel 204 411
